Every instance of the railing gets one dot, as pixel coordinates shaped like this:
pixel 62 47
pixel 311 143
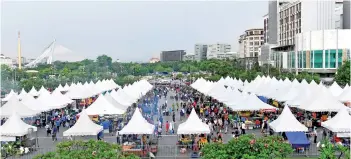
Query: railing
pixel 161 151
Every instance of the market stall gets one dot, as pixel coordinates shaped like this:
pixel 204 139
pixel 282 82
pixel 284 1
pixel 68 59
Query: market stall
pixel 136 128
pixel 84 126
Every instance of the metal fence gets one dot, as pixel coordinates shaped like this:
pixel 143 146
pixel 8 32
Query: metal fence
pixel 163 151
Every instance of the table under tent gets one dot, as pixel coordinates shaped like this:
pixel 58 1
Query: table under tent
pixel 137 136
pixel 291 129
pixel 340 124
pixel 192 128
pixel 17 134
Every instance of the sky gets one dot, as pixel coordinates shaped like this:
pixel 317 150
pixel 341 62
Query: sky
pixel 128 31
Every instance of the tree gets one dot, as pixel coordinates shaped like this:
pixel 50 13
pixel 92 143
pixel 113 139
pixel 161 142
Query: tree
pixel 249 147
pixel 342 76
pixel 328 150
pixel 104 61
pixel 91 149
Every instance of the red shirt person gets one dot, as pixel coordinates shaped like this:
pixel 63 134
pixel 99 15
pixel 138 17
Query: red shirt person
pixel 167 126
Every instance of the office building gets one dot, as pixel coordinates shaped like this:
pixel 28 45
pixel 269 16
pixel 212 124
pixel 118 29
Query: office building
pixel 200 52
pixel 214 49
pixel 298 18
pixel 346 14
pixel 321 51
pixel 250 42
pixel 189 57
pixel 227 55
pixel 174 55
pixel 265 28
pixel 4 60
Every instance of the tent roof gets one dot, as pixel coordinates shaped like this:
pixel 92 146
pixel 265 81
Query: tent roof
pixel 33 92
pixel 43 90
pixel 35 104
pixel 14 105
pixel 14 126
pixel 10 95
pixel 51 101
pixel 335 89
pixel 193 125
pixel 121 97
pixel 345 96
pixel 298 139
pixel 321 101
pixel 83 126
pixel 114 102
pixel 58 95
pixel 102 106
pixel 339 123
pixel 286 122
pixel 138 125
pixel 250 103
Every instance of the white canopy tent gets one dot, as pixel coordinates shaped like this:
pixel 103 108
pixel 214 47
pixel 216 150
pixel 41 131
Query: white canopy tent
pixel 14 105
pixel 83 126
pixel 14 126
pixel 250 103
pixel 10 95
pixel 102 106
pixel 43 90
pixel 23 94
pixel 340 123
pixel 59 96
pixel 35 104
pixel 76 92
pixel 121 97
pixel 60 88
pixel 193 125
pixel 335 89
pixel 66 87
pixel 345 96
pixel 286 122
pixel 321 101
pixel 114 102
pixel 51 101
pixel 33 92
pixel 138 125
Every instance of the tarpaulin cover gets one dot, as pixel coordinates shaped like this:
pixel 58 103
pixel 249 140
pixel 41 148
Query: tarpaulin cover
pixel 298 139
pixel 263 99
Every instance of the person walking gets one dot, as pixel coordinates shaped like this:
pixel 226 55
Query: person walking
pixel 167 127
pixel 243 128
pixel 53 134
pixel 173 117
pixel 48 130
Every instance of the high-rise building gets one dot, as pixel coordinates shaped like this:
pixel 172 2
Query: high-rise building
pixel 292 23
pixel 214 49
pixel 321 51
pixel 200 52
pixel 250 42
pixel 347 14
pixel 174 55
pixel 265 28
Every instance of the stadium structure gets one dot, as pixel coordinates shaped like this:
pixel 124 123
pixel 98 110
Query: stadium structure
pixel 53 52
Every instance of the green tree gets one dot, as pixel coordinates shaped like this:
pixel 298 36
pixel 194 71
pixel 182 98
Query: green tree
pixel 342 75
pixel 249 147
pixel 104 61
pixel 91 149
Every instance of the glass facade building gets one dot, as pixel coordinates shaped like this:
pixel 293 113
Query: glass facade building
pixel 320 49
pixel 318 59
